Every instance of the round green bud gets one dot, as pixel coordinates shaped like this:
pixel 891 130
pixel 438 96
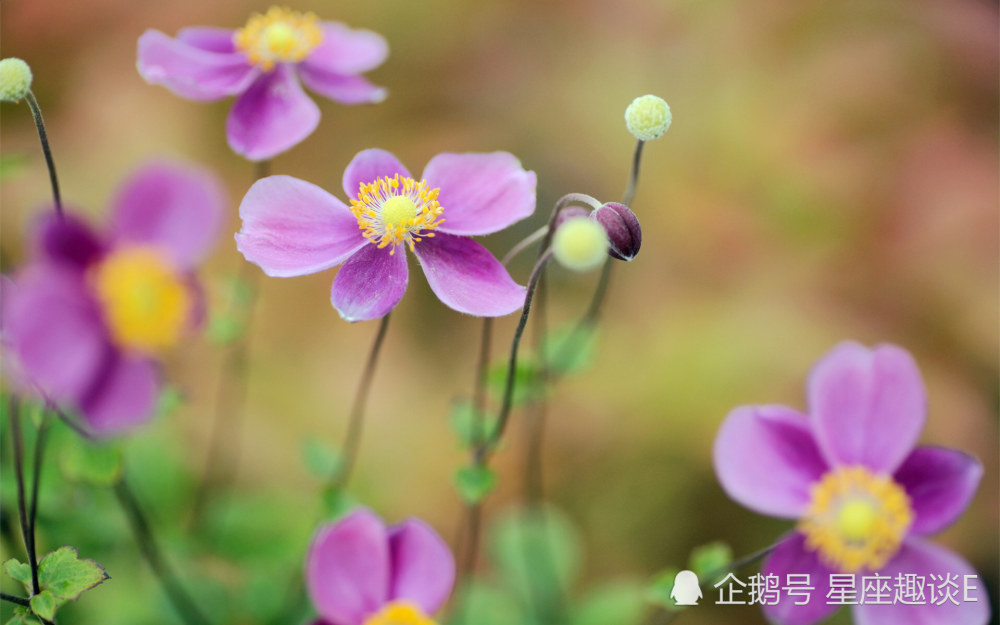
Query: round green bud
pixel 648 117
pixel 15 79
pixel 580 244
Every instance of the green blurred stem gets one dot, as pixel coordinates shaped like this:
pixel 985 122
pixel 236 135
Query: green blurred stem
pixel 165 575
pixel 41 438
pixel 352 440
pixel 633 178
pixel 43 137
pixel 27 532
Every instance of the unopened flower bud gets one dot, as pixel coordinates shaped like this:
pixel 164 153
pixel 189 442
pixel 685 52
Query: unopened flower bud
pixel 622 227
pixel 648 117
pixel 580 244
pixel 15 79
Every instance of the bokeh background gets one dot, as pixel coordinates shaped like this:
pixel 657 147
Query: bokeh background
pixel 831 174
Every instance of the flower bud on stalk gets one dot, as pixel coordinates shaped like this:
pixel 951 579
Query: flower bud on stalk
pixel 648 117
pixel 622 227
pixel 15 79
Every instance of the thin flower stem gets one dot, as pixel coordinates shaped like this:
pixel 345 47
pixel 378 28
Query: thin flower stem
pixel 524 244
pixel 22 508
pixel 43 137
pixel 43 430
pixel 633 178
pixel 21 601
pixel 165 575
pixel 352 440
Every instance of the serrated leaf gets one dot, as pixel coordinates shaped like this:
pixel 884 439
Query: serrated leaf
pixel 475 483
pixel 90 462
pixel 571 349
pixel 470 427
pixel 44 605
pixel 66 575
pixel 18 571
pixel 711 560
pixel 22 616
pixel 320 459
pixel 659 590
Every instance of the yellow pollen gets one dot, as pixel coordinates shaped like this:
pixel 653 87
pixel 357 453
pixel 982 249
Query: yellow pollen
pixel 399 613
pixel 856 519
pixel 397 210
pixel 278 36
pixel 145 302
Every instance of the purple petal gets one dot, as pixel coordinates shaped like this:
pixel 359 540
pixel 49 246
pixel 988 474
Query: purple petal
pixel 481 193
pixel 292 227
pixel 370 283
pixel 466 277
pixel 423 569
pixel 347 569
pixel 347 51
pixel 339 88
pixel 55 330
pixel 369 165
pixel 791 558
pixel 940 483
pixel 177 208
pixel 273 115
pixel 192 72
pixel 868 405
pixel 932 563
pixel 766 459
pixel 123 397
pixel 67 241
pixel 208 38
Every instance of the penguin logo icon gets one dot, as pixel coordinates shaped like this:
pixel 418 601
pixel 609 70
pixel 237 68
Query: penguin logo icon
pixel 686 589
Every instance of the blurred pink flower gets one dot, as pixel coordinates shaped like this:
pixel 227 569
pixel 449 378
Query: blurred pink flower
pixel 292 228
pixel 358 572
pixel 863 494
pixel 262 64
pixel 87 316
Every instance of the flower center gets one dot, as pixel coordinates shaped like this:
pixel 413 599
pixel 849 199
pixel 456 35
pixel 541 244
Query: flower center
pixel 856 519
pixel 146 303
pixel 399 613
pixel 278 36
pixel 397 210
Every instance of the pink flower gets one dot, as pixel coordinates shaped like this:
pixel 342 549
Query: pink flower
pixel 864 495
pixel 86 318
pixel 262 63
pixel 292 228
pixel 360 573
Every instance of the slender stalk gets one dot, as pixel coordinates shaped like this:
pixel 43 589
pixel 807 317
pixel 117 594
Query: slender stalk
pixel 633 178
pixel 165 575
pixel 43 429
pixel 22 507
pixel 352 440
pixel 21 601
pixel 43 137
pixel 524 244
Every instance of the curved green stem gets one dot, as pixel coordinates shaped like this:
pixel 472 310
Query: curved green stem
pixel 43 137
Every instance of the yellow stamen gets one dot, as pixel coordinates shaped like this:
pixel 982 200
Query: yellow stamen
pixel 856 519
pixel 399 613
pixel 397 210
pixel 278 36
pixel 146 303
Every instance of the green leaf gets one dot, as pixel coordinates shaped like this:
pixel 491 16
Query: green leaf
pixel 22 616
pixel 225 329
pixel 64 574
pixel 659 591
pixel 336 503
pixel 571 349
pixel 320 459
pixel 18 571
pixel 470 427
pixel 480 604
pixel 90 462
pixel 475 483
pixel 611 605
pixel 711 560
pixel 44 605
pixel 527 380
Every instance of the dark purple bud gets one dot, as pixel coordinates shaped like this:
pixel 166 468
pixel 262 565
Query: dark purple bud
pixel 622 227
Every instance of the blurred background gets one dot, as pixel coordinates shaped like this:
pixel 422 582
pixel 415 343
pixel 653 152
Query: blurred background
pixel 831 174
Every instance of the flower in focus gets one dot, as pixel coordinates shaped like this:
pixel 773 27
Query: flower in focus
pixel 622 226
pixel 292 228
pixel 88 315
pixel 358 572
pixel 863 495
pixel 648 117
pixel 15 79
pixel 262 64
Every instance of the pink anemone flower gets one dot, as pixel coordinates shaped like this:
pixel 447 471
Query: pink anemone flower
pixel 262 64
pixel 358 572
pixel 86 318
pixel 865 497
pixel 292 228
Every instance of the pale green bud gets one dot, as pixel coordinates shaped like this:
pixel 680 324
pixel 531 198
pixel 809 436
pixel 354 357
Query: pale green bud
pixel 15 79
pixel 648 117
pixel 580 244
